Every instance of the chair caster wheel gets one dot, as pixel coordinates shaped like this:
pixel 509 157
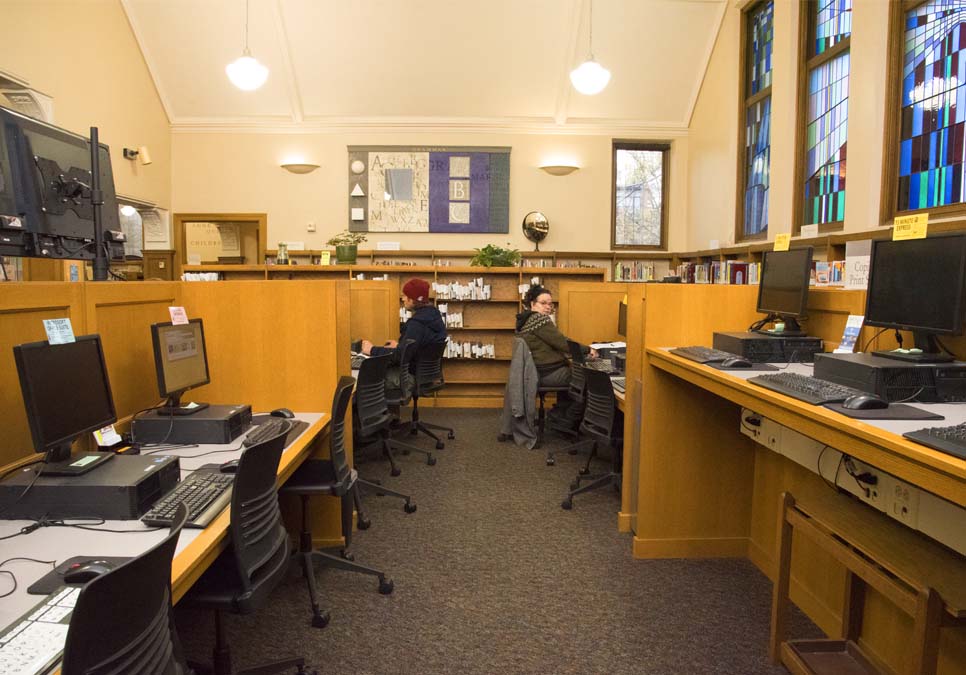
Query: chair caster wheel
pixel 440 445
pixel 575 485
pixel 567 504
pixel 414 431
pixel 385 587
pixel 346 555
pixel 551 461
pixel 584 471
pixel 405 451
pixel 395 471
pixel 502 438
pixel 321 620
pixel 363 523
pixel 409 507
pixel 450 435
pixel 571 452
pixel 431 460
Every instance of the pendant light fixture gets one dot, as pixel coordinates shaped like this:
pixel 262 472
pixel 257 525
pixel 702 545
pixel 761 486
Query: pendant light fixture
pixel 590 77
pixel 246 72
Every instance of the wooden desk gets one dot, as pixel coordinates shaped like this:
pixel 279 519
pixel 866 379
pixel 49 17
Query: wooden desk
pixel 706 490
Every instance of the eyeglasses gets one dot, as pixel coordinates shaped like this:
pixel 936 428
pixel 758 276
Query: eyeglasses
pixel 543 302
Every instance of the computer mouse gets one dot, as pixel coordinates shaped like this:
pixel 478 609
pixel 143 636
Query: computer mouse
pixel 736 363
pixel 81 573
pixel 864 402
pixel 231 466
pixel 283 412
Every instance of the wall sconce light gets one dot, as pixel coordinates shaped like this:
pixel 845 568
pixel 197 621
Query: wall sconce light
pixel 559 169
pixel 141 153
pixel 300 168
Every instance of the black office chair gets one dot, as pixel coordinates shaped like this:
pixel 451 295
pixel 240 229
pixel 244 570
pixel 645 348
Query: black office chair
pixel 600 423
pixel 257 559
pixel 122 621
pixel 428 379
pixel 330 477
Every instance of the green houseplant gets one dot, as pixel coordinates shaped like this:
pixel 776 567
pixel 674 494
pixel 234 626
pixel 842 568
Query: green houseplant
pixel 495 256
pixel 347 246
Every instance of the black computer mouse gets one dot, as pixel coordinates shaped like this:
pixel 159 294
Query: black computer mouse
pixel 81 573
pixel 283 412
pixel 231 466
pixel 736 363
pixel 864 402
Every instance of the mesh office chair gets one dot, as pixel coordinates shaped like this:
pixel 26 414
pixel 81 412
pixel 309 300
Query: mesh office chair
pixel 122 620
pixel 242 578
pixel 428 379
pixel 330 477
pixel 600 424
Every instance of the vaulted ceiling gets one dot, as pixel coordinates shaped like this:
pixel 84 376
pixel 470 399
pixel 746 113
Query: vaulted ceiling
pixel 489 64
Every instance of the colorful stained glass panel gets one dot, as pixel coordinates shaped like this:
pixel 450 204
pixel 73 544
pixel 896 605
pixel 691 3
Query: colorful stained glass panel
pixel 762 32
pixel 933 116
pixel 833 23
pixel 757 161
pixel 825 141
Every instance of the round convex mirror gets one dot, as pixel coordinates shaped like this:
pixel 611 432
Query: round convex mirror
pixel 536 227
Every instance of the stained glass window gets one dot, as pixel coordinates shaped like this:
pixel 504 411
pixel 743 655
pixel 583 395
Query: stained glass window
pixel 757 130
pixel 833 24
pixel 933 115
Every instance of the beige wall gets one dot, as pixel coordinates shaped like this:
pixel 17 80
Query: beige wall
pixel 84 55
pixel 713 133
pixel 223 173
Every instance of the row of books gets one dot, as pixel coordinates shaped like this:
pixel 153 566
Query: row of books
pixel 824 273
pixel 637 270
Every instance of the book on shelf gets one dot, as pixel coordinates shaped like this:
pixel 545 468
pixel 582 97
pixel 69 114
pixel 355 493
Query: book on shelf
pixel 633 270
pixel 725 272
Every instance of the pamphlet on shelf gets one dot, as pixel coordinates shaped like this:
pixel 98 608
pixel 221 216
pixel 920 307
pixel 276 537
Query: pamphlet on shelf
pixel 852 328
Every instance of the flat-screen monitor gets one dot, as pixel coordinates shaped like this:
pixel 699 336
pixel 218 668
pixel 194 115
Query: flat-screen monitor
pixel 45 192
pixel 182 363
pixel 66 393
pixel 783 287
pixel 918 285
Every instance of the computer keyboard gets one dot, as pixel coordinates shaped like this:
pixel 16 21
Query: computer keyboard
pixel 703 354
pixel 205 493
pixel 603 365
pixel 35 642
pixel 804 388
pixel 355 361
pixel 269 428
pixel 950 440
pixel 618 383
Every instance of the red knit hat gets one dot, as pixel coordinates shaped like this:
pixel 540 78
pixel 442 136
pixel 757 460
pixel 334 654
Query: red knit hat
pixel 416 289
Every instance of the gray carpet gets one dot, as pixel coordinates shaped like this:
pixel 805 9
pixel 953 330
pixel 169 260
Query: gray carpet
pixel 491 575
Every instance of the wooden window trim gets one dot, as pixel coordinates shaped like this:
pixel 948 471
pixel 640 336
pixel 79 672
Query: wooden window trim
pixel 806 64
pixel 889 193
pixel 744 102
pixel 664 147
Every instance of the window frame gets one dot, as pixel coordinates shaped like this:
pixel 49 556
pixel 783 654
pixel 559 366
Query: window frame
pixel 806 64
pixel 664 147
pixel 745 102
pixel 889 192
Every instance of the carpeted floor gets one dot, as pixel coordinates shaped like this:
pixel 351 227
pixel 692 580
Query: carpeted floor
pixel 492 576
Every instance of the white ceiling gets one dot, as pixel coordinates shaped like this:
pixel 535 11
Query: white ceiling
pixel 483 64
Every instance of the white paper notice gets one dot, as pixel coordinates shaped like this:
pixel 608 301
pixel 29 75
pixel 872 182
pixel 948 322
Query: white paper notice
pixel 194 258
pixel 107 436
pixel 178 316
pixel 857 261
pixel 59 331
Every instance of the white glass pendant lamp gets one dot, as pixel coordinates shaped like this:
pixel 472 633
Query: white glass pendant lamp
pixel 590 77
pixel 246 72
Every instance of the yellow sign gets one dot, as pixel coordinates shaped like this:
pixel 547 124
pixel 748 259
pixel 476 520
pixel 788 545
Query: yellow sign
pixel 910 227
pixel 782 242
pixel 324 257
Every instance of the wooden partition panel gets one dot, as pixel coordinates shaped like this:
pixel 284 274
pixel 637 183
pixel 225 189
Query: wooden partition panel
pixel 587 310
pixel 374 310
pixel 23 307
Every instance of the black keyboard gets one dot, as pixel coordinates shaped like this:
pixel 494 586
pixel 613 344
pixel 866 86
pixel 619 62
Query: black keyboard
pixel 804 388
pixel 269 428
pixel 951 440
pixel 703 354
pixel 618 383
pixel 205 493
pixel 603 365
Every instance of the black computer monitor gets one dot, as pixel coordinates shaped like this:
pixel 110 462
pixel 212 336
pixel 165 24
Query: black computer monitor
pixel 783 288
pixel 182 363
pixel 66 393
pixel 918 285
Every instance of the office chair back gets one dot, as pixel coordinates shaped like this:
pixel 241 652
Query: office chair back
pixel 337 453
pixel 576 370
pixel 371 413
pixel 122 620
pixel 258 538
pixel 600 406
pixel 429 370
pixel 404 354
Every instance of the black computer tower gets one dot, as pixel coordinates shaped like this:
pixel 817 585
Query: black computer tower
pixel 759 348
pixel 895 380
pixel 215 424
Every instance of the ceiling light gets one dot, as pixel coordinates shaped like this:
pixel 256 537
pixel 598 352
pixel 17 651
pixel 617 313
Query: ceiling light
pixel 128 210
pixel 246 72
pixel 590 77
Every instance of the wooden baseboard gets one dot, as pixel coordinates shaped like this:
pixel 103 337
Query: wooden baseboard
pixel 725 547
pixel 623 522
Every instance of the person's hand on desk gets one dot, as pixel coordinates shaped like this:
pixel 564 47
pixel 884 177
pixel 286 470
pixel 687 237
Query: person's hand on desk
pixel 593 353
pixel 392 344
pixel 366 347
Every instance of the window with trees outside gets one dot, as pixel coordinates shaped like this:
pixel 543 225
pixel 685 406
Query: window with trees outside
pixel 639 209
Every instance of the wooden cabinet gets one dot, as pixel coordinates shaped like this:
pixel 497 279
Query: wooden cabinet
pixel 159 264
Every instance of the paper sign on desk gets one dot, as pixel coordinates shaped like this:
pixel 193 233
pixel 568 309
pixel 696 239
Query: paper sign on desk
pixel 178 316
pixel 107 436
pixel 782 241
pixel 59 331
pixel 910 227
pixel 325 257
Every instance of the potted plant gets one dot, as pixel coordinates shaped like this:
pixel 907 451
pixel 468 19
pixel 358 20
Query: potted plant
pixel 347 246
pixel 495 256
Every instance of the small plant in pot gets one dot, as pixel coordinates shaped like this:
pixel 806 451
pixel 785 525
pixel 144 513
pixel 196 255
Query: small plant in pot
pixel 347 246
pixel 495 256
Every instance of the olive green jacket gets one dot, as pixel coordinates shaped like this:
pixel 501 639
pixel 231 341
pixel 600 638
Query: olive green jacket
pixel 547 344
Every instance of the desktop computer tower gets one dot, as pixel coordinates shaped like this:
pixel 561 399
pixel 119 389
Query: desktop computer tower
pixel 123 488
pixel 895 380
pixel 215 424
pixel 759 348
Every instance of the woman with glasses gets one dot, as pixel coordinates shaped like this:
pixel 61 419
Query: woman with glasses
pixel 547 344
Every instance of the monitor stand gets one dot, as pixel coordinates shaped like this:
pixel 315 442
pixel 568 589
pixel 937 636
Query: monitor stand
pixel 59 462
pixel 927 351
pixel 792 328
pixel 173 408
